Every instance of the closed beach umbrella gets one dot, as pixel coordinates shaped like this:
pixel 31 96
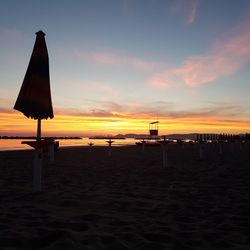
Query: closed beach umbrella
pixel 34 99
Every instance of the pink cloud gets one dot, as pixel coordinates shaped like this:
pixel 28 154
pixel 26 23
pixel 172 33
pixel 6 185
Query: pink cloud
pixel 225 58
pixel 158 82
pixel 103 58
pixel 117 60
pixel 192 12
pixel 186 8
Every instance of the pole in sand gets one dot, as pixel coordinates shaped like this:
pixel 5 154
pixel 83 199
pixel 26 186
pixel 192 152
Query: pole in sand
pixel 201 150
pixel 37 168
pixel 220 147
pixel 110 144
pixel 143 145
pixel 91 144
pixel 51 152
pixel 164 152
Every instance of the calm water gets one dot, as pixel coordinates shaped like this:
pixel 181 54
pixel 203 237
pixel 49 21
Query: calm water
pixel 15 144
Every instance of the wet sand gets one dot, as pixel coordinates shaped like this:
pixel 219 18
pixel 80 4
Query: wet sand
pixel 91 200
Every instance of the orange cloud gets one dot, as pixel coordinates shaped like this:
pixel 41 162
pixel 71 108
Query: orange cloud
pixel 225 59
pixel 221 118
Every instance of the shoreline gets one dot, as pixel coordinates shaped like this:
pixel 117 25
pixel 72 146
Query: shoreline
pixel 70 147
pixel 17 145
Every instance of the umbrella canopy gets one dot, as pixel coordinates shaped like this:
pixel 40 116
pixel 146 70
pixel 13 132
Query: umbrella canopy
pixel 34 99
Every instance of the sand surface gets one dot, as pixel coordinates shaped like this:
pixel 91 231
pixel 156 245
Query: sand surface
pixel 127 201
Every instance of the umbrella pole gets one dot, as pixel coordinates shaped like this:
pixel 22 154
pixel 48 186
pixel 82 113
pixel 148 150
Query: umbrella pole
pixel 39 130
pixel 37 174
pixel 164 155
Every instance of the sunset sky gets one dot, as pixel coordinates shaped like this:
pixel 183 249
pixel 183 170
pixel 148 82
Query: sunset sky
pixel 116 65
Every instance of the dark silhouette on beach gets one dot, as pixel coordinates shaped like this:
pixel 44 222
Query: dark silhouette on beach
pixel 34 99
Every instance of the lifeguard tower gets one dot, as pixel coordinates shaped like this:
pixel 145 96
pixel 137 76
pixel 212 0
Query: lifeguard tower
pixel 153 128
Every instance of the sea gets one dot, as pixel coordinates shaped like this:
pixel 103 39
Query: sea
pixel 16 144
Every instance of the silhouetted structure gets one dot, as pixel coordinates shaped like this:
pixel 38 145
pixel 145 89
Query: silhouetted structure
pixel 34 100
pixel 153 128
pixel 110 144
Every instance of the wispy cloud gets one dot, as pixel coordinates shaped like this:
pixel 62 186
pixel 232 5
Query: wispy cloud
pixel 117 60
pixel 97 113
pixel 111 117
pixel 150 110
pixel 163 80
pixel 193 12
pixel 217 110
pixel 101 88
pixel 95 108
pixel 225 58
pixel 186 8
pixel 165 110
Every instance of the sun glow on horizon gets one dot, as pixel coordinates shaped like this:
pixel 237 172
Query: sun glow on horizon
pixel 77 125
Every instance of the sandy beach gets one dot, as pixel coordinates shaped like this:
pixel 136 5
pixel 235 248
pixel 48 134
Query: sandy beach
pixel 91 200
